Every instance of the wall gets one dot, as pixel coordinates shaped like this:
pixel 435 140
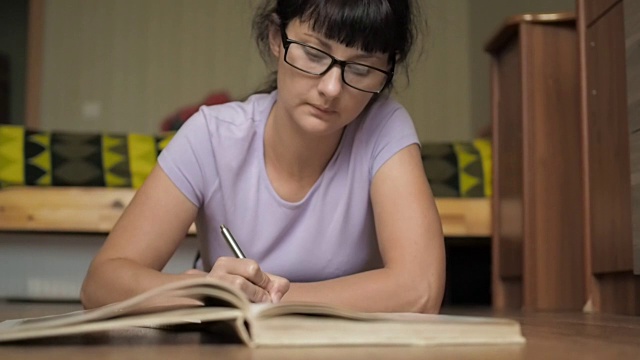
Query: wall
pixel 13 42
pixel 486 17
pixel 123 66
pixel 632 30
pixel 438 96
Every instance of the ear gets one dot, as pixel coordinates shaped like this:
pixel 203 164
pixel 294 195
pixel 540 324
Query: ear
pixel 275 41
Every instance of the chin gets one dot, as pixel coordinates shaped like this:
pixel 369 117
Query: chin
pixel 318 127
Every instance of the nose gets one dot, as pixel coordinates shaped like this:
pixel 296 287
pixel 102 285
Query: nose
pixel 331 83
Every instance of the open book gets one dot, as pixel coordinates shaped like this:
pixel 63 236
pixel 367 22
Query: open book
pixel 214 306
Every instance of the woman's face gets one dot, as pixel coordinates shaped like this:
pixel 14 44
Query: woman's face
pixel 319 104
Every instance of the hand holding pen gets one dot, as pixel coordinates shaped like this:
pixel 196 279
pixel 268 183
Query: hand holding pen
pixel 247 275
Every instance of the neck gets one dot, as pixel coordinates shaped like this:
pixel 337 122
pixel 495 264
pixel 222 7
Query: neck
pixel 295 153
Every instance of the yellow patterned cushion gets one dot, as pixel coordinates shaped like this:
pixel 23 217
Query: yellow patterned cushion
pixel 75 158
pixel 458 169
pixel 454 169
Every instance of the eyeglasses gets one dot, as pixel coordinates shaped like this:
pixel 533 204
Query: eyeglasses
pixel 314 61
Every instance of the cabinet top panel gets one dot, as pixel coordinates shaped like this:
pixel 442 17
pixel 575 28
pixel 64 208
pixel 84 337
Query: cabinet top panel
pixel 511 24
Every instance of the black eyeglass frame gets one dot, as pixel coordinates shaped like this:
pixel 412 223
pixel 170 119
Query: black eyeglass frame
pixel 286 41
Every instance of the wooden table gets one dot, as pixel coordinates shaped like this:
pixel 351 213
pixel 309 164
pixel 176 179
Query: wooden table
pixel 549 336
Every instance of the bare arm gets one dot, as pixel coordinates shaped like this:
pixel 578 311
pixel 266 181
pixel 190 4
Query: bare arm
pixel 140 244
pixel 144 239
pixel 411 244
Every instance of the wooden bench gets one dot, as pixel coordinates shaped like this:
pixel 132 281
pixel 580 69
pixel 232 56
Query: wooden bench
pixel 96 209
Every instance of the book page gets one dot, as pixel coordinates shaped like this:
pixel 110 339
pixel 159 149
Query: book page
pixel 184 294
pixel 266 310
pixel 169 319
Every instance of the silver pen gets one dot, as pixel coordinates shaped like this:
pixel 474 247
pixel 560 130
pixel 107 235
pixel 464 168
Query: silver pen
pixel 226 234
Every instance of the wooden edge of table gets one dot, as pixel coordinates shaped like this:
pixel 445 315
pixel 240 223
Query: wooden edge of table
pixel 96 210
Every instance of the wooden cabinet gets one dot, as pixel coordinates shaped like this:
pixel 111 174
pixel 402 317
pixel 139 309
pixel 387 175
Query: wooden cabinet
pixel 591 10
pixel 632 35
pixel 610 283
pixel 562 235
pixel 538 235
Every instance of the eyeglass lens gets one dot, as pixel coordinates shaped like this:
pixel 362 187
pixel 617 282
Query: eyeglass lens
pixel 314 61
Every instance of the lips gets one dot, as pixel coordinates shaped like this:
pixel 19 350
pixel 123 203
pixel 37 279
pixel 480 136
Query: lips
pixel 322 109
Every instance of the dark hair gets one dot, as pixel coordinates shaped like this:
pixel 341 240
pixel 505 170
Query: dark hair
pixel 375 26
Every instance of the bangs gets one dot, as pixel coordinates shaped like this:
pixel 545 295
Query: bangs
pixel 367 28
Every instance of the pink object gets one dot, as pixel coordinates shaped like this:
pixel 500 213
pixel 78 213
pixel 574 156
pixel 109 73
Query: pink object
pixel 174 121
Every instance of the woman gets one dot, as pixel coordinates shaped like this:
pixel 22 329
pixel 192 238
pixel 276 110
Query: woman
pixel 320 181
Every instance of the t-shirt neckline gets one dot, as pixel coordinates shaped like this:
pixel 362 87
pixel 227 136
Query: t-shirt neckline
pixel 264 115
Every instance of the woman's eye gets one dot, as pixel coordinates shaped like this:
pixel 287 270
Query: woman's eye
pixel 314 54
pixel 359 70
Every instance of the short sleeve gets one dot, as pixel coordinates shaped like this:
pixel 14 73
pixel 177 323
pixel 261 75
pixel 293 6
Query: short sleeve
pixel 393 132
pixel 188 158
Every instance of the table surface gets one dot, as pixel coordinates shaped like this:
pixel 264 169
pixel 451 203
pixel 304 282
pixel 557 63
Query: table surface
pixel 549 336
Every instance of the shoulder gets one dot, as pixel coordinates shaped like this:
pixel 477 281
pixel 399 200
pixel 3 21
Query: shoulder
pixel 383 129
pixel 232 120
pixel 215 136
pixel 386 115
pixel 386 106
pixel 221 126
pixel 384 120
pixel 238 113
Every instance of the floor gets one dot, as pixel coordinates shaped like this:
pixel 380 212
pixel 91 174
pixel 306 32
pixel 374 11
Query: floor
pixel 548 335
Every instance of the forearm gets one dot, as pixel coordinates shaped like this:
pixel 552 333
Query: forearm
pixel 115 280
pixel 382 290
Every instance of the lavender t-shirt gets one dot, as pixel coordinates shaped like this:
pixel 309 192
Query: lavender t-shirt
pixel 217 160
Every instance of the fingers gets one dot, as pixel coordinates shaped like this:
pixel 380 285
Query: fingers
pixel 253 292
pixel 246 275
pixel 277 287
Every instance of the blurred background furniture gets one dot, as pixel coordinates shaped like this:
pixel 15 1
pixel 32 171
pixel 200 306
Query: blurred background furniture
pixel 610 283
pixel 632 36
pixel 4 89
pixel 562 236
pixel 537 242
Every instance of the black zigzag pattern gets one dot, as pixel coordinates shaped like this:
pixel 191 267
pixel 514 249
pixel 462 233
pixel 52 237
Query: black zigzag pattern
pixel 33 150
pixel 441 166
pixel 76 160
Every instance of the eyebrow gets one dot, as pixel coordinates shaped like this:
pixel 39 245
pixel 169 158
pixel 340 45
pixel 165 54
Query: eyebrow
pixel 360 56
